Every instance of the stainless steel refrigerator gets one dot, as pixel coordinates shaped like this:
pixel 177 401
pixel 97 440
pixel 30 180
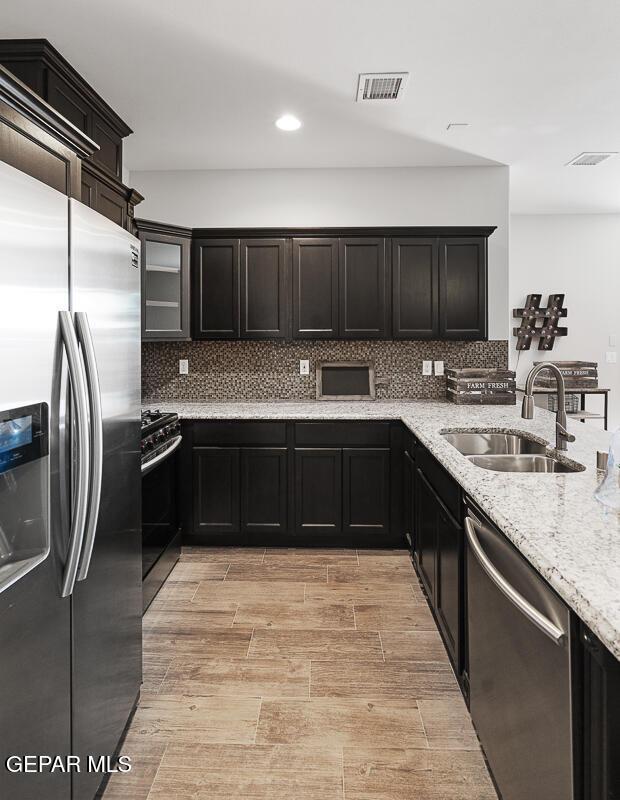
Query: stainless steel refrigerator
pixel 70 553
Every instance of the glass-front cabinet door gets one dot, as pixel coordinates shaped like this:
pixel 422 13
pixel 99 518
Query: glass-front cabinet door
pixel 165 281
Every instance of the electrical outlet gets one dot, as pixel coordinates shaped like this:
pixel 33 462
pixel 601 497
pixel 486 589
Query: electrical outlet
pixel 183 366
pixel 427 368
pixel 438 367
pixel 304 367
pixel 611 357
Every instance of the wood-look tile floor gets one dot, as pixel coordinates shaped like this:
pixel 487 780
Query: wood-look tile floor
pixel 297 675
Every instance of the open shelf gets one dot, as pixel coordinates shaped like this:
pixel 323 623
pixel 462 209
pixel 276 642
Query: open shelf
pixel 158 268
pixel 584 415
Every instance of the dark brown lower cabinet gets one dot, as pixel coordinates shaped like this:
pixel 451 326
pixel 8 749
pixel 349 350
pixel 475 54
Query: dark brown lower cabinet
pixel 239 492
pixel 448 582
pixel 264 490
pixel 318 493
pixel 601 719
pixel 216 491
pixel 438 557
pixel 426 533
pixel 276 483
pixel 408 488
pixel 366 493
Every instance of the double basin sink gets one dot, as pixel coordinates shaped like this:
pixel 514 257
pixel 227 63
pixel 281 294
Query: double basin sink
pixel 507 452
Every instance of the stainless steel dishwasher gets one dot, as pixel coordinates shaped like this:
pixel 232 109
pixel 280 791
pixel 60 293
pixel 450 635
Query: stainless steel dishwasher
pixel 519 668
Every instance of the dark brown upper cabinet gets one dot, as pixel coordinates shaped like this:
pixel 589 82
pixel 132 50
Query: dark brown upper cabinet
pixel 110 153
pixel 263 289
pixel 68 102
pixel 165 281
pixel 41 67
pixel 463 288
pixel 215 289
pixel 364 281
pixel 315 288
pixel 44 70
pixel 410 283
pixel 415 288
pixel 37 140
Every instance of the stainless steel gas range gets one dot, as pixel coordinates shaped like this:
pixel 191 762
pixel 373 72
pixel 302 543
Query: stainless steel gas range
pixel 161 540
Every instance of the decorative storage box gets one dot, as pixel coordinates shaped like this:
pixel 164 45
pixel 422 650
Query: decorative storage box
pixel 577 375
pixel 571 403
pixel 469 386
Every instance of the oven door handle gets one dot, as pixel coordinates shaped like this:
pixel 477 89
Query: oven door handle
pixel 149 465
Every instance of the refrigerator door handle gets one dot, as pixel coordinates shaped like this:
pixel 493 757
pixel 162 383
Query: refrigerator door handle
pixel 96 433
pixel 80 495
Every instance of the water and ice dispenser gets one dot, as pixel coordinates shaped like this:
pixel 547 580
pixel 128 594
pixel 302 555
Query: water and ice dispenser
pixel 24 490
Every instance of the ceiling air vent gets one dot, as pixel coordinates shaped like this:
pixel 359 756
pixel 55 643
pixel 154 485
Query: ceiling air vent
pixel 589 159
pixel 381 85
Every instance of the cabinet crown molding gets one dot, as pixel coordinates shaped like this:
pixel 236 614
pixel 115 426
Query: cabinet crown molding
pixel 26 102
pixel 382 231
pixel 42 50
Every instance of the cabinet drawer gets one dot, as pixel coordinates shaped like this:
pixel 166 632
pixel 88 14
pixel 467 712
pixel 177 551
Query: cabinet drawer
pixel 343 434
pixel 239 433
pixel 446 487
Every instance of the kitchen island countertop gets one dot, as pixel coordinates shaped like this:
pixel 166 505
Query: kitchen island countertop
pixel 553 519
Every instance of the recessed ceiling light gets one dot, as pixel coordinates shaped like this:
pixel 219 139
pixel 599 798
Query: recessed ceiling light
pixel 288 122
pixel 453 125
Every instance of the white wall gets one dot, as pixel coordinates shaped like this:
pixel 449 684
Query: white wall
pixel 316 197
pixel 579 255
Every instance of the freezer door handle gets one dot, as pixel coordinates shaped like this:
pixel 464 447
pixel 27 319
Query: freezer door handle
pixel 81 489
pixel 527 609
pixel 96 440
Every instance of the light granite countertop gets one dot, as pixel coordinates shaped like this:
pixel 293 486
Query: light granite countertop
pixel 553 519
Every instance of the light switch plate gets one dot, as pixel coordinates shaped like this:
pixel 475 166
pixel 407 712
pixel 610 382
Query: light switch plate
pixel 304 367
pixel 611 357
pixel 613 340
pixel 439 368
pixel 183 366
pixel 427 368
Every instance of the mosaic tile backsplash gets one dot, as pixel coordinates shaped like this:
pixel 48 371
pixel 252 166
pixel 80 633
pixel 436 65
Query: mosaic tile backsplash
pixel 269 370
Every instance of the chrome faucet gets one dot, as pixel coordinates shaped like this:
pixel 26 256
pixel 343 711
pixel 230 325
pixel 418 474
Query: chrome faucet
pixel 562 436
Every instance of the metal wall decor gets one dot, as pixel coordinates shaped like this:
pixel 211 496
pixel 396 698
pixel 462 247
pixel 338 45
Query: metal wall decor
pixel 548 331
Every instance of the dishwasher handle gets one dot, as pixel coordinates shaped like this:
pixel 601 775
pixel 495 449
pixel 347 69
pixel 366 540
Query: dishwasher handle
pixel 551 630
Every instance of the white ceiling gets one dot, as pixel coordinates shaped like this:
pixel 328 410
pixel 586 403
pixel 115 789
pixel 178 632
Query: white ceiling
pixel 202 81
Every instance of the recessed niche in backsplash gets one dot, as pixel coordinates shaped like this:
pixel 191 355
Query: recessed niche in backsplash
pixel 269 370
